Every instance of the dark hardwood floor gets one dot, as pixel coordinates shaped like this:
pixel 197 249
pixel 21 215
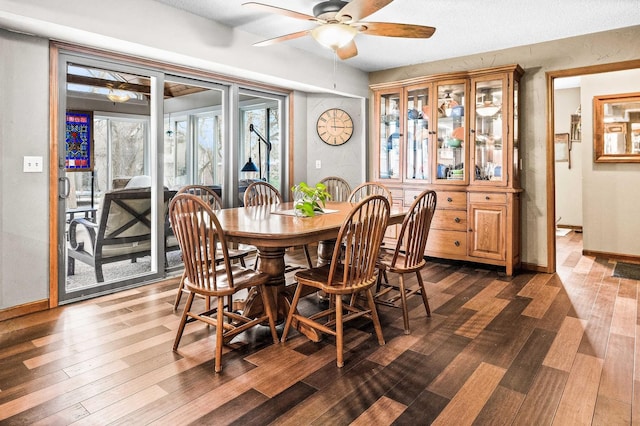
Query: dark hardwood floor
pixel 534 349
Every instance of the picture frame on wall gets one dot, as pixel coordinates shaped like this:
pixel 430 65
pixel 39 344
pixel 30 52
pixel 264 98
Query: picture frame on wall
pixel 79 141
pixel 562 148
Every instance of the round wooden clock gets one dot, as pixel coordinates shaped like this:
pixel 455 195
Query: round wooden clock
pixel 335 126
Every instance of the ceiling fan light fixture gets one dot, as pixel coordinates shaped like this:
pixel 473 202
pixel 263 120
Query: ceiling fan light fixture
pixel 118 96
pixel 487 109
pixel 334 35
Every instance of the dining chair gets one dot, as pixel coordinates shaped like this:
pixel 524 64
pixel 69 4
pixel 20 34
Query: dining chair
pixel 352 270
pixel 407 257
pixel 337 187
pixel 262 193
pixel 370 188
pixel 209 196
pixel 203 242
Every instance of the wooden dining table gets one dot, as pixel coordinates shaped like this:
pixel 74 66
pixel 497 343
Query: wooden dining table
pixel 274 228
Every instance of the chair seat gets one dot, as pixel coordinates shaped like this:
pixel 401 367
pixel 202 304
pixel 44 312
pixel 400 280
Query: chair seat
pixel 317 277
pixel 385 262
pixel 243 278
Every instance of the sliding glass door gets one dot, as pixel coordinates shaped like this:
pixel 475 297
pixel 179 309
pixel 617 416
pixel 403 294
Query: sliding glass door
pixel 112 207
pixel 130 138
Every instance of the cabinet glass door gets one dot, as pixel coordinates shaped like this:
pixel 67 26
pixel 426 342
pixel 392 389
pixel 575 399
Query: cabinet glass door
pixel 389 134
pixel 488 131
pixel 417 131
pixel 450 133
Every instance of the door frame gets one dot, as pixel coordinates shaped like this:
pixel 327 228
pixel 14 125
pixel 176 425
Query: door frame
pixel 551 175
pixel 56 48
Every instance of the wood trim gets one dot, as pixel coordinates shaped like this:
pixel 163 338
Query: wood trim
pixel 53 175
pixel 291 144
pixel 551 178
pixel 551 201
pixel 532 267
pixel 27 308
pixel 576 228
pixel 449 75
pixel 614 256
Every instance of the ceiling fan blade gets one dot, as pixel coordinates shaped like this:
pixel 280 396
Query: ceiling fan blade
pixel 281 11
pixel 286 37
pixel 359 9
pixel 388 29
pixel 347 51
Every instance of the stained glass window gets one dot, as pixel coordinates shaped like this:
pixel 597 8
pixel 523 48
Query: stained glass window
pixel 79 141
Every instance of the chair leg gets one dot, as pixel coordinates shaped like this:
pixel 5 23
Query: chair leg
pixel 305 248
pixel 339 332
pixel 292 311
pixel 423 292
pixel 219 336
pixel 180 289
pixel 266 302
pixel 99 274
pixel 183 321
pixel 403 301
pixel 374 317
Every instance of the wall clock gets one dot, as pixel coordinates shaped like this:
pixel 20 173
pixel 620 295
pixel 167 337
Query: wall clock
pixel 335 126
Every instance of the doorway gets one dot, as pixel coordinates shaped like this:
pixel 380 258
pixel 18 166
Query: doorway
pixel 585 146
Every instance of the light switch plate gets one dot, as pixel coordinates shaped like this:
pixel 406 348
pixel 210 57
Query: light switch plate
pixel 32 164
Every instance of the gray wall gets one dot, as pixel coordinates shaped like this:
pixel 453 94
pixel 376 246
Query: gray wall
pixel 610 191
pixel 537 59
pixel 24 197
pixel 346 160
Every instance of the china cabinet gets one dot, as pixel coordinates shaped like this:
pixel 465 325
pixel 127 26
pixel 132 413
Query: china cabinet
pixel 458 134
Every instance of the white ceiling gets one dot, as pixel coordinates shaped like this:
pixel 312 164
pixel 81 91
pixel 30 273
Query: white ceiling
pixel 463 27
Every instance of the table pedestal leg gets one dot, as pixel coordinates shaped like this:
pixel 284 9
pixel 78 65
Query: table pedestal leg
pixel 271 262
pixel 325 253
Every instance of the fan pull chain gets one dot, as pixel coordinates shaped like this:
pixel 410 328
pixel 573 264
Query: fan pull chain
pixel 335 67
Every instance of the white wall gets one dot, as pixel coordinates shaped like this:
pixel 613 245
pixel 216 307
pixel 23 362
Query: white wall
pixel 568 180
pixel 154 30
pixel 594 49
pixel 610 191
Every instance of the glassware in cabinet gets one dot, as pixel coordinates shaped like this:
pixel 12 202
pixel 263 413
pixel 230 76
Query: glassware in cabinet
pixel 389 136
pixel 451 135
pixel 489 130
pixel 417 130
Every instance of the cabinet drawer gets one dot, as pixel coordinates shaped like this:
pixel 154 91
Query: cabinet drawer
pixel 447 242
pixel 410 195
pixel 451 220
pixel 487 197
pixel 396 195
pixel 452 200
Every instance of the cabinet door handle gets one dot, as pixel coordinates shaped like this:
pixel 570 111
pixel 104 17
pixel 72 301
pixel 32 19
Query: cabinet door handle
pixel 487 198
pixel 456 243
pixel 449 199
pixel 457 220
pixel 472 130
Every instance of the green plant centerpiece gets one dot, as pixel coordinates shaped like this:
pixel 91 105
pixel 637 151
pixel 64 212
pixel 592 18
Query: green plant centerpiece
pixel 309 200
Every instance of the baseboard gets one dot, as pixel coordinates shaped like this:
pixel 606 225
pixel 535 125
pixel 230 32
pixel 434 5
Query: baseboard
pixel 532 267
pixel 613 256
pixel 576 228
pixel 27 308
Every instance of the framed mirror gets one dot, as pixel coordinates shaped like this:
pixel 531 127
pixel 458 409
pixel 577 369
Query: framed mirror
pixel 616 128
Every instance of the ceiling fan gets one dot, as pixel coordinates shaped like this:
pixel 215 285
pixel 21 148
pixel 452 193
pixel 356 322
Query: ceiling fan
pixel 339 22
